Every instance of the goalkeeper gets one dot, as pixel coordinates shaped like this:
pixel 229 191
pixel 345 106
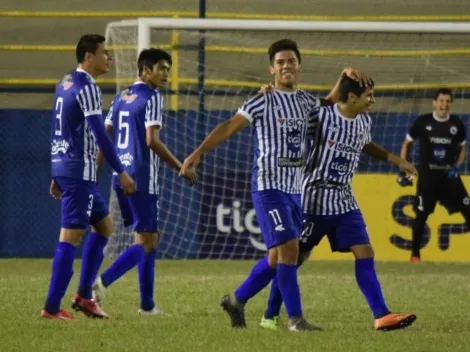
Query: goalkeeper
pixel 442 140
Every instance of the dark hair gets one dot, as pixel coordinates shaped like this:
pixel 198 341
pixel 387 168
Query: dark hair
pixel 281 45
pixel 348 85
pixel 88 43
pixel 443 91
pixel 149 57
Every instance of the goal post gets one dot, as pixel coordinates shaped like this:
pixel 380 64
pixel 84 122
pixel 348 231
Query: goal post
pixel 215 218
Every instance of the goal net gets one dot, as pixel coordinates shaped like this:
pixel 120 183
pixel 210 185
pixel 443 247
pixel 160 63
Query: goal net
pixel 217 64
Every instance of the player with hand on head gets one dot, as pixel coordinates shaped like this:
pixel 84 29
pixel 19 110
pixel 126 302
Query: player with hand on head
pixel 338 135
pixel 77 133
pixel 278 121
pixel 442 141
pixel 135 120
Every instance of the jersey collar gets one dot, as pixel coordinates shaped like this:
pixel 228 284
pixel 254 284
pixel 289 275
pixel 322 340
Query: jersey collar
pixel 439 119
pixel 89 76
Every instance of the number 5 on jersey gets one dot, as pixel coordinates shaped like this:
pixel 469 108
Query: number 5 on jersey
pixel 277 220
pixel 123 127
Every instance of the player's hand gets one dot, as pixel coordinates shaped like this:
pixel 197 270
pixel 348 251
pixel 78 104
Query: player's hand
pixel 454 172
pixel 127 183
pixel 358 76
pixel 408 168
pixel 55 191
pixel 191 175
pixel 266 88
pixel 191 162
pixel 404 180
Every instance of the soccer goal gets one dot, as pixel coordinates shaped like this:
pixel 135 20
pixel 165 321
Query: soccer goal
pixel 219 63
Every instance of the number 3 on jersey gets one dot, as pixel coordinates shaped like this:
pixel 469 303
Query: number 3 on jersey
pixel 123 137
pixel 277 220
pixel 59 104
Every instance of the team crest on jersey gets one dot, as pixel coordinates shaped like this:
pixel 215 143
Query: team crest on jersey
pixel 128 98
pixel 126 159
pixel 66 82
pixel 453 130
pixel 429 128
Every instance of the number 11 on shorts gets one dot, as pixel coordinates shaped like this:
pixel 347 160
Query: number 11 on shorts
pixel 277 220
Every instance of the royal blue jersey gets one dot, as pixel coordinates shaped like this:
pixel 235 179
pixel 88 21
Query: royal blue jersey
pixel 279 120
pixel 132 111
pixel 336 143
pixel 73 147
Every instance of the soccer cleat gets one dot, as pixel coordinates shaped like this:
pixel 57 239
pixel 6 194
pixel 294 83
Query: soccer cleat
pixel 154 311
pixel 63 314
pixel 271 324
pixel 236 312
pixel 99 292
pixel 88 307
pixel 394 321
pixel 414 259
pixel 300 324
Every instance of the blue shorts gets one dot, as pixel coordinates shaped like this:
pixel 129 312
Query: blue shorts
pixel 343 231
pixel 279 216
pixel 82 203
pixel 139 209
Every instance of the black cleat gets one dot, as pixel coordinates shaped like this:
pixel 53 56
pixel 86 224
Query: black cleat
pixel 300 324
pixel 236 312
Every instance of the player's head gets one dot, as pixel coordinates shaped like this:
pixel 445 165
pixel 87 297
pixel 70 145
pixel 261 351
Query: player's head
pixel 285 63
pixel 443 99
pixel 92 54
pixel 358 97
pixel 154 67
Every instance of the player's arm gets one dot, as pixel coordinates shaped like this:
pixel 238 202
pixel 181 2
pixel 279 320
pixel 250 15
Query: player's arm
pixel 462 140
pixel 109 131
pixel 377 152
pixel 251 110
pixel 89 99
pixel 361 77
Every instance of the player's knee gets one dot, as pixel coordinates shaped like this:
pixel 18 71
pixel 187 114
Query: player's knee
pixel 103 227
pixel 148 240
pixel 72 236
pixel 363 251
pixel 288 252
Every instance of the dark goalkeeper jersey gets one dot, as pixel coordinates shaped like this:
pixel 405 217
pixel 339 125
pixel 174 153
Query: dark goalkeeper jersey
pixel 440 141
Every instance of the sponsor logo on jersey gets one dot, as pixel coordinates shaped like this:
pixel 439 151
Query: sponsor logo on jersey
pixel 291 123
pixel 342 147
pixel 294 141
pixel 126 159
pixel 129 98
pixel 339 166
pixel 59 146
pixel 439 154
pixel 440 140
pixel 67 82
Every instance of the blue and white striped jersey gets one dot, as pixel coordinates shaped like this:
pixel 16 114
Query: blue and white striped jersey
pixel 132 111
pixel 73 147
pixel 279 121
pixel 335 145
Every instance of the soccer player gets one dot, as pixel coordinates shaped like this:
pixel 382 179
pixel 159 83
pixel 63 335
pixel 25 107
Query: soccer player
pixel 135 120
pixel 338 135
pixel 77 133
pixel 442 140
pixel 278 120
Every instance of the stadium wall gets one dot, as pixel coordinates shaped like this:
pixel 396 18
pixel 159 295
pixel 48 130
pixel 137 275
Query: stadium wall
pixel 30 218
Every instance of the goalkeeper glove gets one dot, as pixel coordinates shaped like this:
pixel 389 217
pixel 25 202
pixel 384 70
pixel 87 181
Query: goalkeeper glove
pixel 403 180
pixel 454 172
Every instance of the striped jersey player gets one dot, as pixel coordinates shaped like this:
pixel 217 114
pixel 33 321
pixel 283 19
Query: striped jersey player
pixel 278 121
pixel 77 133
pixel 339 133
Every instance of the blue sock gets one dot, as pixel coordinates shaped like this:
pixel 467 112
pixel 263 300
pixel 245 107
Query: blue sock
pixel 91 261
pixel 125 262
pixel 147 281
pixel 289 287
pixel 260 276
pixel 274 301
pixel 62 271
pixel 369 284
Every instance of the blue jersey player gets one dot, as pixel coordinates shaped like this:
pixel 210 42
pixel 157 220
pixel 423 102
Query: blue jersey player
pixel 77 133
pixel 278 121
pixel 338 135
pixel 135 120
